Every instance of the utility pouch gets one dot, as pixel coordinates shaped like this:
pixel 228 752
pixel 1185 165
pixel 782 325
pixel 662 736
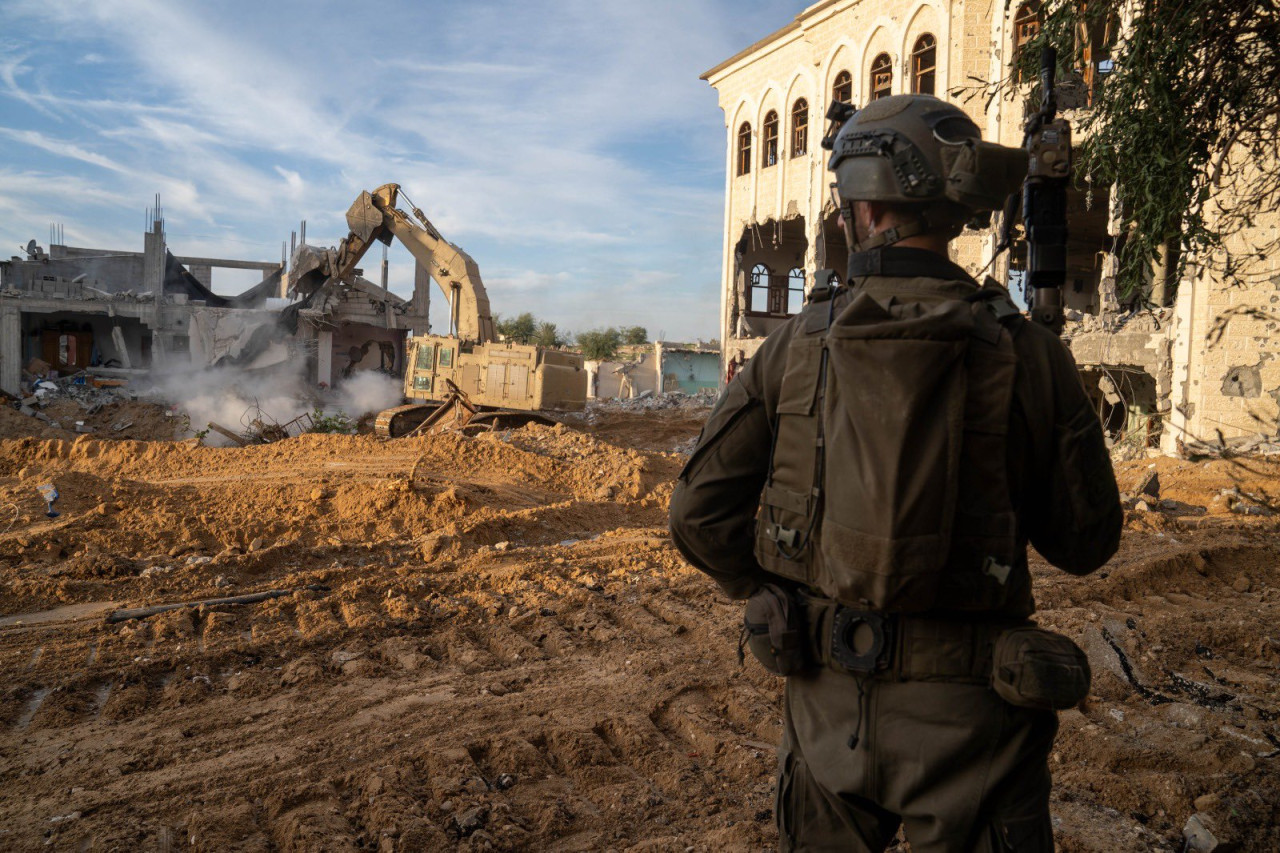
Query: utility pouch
pixel 1035 668
pixel 773 629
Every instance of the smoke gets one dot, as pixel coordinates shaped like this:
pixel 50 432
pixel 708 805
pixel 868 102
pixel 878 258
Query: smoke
pixel 233 397
pixel 364 392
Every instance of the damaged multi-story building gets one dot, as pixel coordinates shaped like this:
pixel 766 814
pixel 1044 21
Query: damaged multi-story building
pixel 1192 359
pixel 123 314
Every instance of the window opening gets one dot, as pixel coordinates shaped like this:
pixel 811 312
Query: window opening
pixel 924 64
pixel 769 141
pixel 795 290
pixel 744 148
pixel 1026 26
pixel 800 128
pixel 842 89
pixel 881 77
pixel 759 296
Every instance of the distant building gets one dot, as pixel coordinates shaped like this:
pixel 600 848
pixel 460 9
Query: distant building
pixel 122 314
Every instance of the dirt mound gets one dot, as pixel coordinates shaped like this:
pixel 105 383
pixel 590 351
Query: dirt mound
pixel 489 643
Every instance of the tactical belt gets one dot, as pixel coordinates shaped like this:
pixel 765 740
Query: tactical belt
pixel 900 647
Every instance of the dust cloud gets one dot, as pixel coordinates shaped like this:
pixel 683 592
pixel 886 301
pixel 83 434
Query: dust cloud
pixel 234 398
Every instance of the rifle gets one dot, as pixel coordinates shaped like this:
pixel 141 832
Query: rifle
pixel 1047 141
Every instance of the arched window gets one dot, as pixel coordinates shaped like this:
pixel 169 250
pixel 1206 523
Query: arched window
pixel 800 128
pixel 795 290
pixel 881 77
pixel 1026 26
pixel 842 89
pixel 924 64
pixel 744 148
pixel 769 140
pixel 758 297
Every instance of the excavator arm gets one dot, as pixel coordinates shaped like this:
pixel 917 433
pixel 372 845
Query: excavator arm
pixel 375 217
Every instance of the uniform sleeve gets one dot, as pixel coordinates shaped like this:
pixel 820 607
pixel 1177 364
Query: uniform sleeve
pixel 713 507
pixel 1074 515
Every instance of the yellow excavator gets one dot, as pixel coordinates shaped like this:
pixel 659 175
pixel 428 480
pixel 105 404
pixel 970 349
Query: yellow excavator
pixel 466 380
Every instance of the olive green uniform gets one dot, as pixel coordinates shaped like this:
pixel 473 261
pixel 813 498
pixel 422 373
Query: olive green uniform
pixel 929 744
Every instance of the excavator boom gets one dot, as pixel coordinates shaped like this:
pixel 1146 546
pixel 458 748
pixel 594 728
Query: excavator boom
pixel 374 217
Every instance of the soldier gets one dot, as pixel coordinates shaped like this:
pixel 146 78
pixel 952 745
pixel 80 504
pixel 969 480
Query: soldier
pixel 870 483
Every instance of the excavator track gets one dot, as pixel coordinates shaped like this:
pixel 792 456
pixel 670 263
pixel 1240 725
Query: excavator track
pixel 402 420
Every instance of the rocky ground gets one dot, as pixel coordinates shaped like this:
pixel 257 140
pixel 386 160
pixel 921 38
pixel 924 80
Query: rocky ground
pixel 490 643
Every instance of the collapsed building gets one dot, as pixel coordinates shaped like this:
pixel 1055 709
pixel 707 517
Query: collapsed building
pixel 662 367
pixel 117 315
pixel 1187 362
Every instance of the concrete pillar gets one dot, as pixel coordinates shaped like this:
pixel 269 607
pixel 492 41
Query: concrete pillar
pixel 10 348
pixel 658 389
pixel 122 348
pixel 203 273
pixel 1178 419
pixel 153 258
pixel 324 358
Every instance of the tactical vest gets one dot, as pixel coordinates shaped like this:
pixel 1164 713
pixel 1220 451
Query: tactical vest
pixel 888 486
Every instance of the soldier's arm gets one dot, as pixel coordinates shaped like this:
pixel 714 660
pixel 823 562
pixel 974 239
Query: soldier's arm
pixel 1074 517
pixel 713 507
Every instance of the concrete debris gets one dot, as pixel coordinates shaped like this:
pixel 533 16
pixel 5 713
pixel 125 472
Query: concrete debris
pixel 1250 445
pixel 1150 485
pixel 1200 839
pixel 472 820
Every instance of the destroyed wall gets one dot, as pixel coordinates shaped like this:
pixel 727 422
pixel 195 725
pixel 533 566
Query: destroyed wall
pixel 632 373
pixel 686 370
pixel 1226 343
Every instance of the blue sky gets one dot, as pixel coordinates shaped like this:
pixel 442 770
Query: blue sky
pixel 568 146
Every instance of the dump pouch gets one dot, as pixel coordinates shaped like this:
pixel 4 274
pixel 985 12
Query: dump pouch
pixel 773 629
pixel 1035 668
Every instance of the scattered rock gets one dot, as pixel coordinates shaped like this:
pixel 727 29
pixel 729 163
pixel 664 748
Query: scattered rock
pixel 1205 802
pixel 258 544
pixel 1149 486
pixel 504 781
pixel 1142 506
pixel 471 820
pixel 342 656
pixel 502 546
pixel 1242 584
pixel 1184 715
pixel 318 494
pixel 1199 838
pixel 223 581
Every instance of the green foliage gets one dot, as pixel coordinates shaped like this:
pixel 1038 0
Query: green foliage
pixel 338 422
pixel 599 344
pixel 548 336
pixel 522 328
pixel 634 335
pixel 1185 128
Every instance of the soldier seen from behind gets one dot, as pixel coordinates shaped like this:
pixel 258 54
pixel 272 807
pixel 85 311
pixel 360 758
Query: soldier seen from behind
pixel 870 481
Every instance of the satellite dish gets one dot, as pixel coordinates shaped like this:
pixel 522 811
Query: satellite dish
pixel 32 249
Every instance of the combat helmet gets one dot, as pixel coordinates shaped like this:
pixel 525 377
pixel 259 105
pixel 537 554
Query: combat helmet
pixel 920 151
